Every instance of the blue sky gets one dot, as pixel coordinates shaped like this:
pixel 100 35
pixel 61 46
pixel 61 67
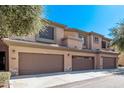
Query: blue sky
pixel 86 17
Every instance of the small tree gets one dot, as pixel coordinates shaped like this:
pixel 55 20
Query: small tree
pixel 117 34
pixel 20 19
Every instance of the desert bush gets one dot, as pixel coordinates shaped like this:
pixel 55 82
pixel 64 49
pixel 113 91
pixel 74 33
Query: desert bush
pixel 4 78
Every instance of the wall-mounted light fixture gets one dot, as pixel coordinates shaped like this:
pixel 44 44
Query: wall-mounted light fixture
pixel 68 54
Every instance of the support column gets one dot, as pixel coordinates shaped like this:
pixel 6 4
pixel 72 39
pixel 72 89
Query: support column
pixel 67 62
pixel 99 61
pixel 13 61
pixel 117 58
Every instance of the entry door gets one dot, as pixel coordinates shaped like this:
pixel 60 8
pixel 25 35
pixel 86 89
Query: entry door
pixel 2 61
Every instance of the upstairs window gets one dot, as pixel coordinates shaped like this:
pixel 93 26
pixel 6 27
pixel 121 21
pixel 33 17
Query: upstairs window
pixel 47 33
pixel 85 41
pixel 96 39
pixel 103 44
pixel 83 38
pixel 108 45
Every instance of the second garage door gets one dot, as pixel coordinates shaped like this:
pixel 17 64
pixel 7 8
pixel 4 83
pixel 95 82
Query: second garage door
pixel 33 63
pixel 82 63
pixel 109 62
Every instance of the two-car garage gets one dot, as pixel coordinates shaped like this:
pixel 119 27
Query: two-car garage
pixel 36 63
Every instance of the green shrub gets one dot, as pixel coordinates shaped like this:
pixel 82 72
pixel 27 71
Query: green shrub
pixel 4 77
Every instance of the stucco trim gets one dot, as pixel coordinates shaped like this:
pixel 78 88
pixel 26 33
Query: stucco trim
pixel 76 30
pixel 50 46
pixel 109 52
pixel 73 38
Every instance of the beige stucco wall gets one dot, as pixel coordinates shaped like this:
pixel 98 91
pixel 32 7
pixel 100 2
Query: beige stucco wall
pixel 72 40
pixel 121 59
pixel 72 34
pixel 74 43
pixel 94 45
pixel 14 59
pixel 59 35
pixel 97 45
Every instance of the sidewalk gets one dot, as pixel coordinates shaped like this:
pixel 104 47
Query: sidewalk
pixel 54 79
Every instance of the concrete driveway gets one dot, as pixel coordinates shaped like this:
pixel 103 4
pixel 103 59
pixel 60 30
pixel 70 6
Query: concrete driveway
pixel 55 79
pixel 110 81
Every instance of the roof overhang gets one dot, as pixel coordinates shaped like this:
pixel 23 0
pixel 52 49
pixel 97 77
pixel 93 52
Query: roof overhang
pixel 10 42
pixel 49 22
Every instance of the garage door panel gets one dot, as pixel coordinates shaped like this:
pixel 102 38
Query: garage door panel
pixel 30 63
pixel 109 63
pixel 82 63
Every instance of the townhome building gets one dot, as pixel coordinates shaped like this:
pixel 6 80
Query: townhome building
pixel 57 48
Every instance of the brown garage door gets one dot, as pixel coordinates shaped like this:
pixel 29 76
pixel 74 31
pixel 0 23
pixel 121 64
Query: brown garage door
pixel 109 62
pixel 32 63
pixel 82 63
